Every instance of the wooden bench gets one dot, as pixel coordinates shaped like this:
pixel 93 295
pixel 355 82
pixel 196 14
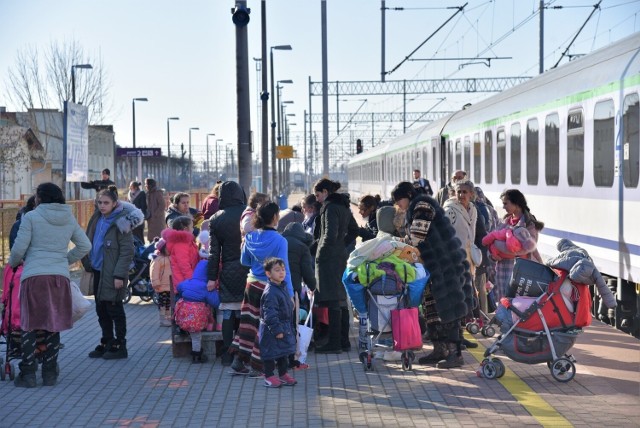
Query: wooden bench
pixel 181 344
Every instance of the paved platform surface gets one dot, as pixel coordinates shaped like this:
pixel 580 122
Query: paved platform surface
pixel 151 388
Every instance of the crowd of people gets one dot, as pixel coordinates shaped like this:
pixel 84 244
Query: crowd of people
pixel 255 266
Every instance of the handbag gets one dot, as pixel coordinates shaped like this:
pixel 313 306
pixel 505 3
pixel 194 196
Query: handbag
pixel 79 304
pixel 305 333
pixel 405 329
pixel 86 283
pixel 476 255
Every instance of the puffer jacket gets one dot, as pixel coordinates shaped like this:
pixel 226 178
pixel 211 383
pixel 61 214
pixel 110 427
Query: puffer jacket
pixel 276 310
pixel 195 288
pixel 300 261
pixel 258 246
pixel 118 251
pixel 160 270
pixel 183 253
pixel 224 244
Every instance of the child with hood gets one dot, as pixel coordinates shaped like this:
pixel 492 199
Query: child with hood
pixel 160 270
pixel 193 309
pixel 181 248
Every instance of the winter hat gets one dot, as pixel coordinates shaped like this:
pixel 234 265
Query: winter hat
pixel 384 218
pixel 160 243
pixel 203 238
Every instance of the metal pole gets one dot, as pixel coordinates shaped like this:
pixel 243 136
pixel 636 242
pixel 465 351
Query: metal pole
pixel 274 170
pixel 264 97
pixel 382 32
pixel 325 92
pixel 243 100
pixel 279 161
pixel 133 109
pixel 306 172
pixel 168 156
pixel 73 85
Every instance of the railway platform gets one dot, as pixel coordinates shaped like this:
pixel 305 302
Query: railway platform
pixel 152 388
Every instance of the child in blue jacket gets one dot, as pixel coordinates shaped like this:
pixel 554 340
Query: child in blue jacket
pixel 276 333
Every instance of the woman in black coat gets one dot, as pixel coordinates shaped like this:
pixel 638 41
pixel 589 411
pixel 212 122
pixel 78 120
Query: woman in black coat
pixel 337 228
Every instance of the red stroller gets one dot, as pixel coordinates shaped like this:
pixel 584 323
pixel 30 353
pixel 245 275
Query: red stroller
pixel 541 329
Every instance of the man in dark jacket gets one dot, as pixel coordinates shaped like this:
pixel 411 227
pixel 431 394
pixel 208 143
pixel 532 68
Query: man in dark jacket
pixel 99 185
pixel 300 261
pixel 224 270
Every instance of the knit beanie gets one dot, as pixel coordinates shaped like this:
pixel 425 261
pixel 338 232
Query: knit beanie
pixel 384 218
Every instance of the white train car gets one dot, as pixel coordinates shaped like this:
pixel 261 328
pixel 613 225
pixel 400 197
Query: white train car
pixel 569 139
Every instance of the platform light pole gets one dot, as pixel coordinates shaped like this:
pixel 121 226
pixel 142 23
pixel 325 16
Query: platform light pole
pixel 279 121
pixel 274 171
pixel 217 170
pixel 73 78
pixel 133 110
pixel 190 160
pixel 169 151
pixel 208 168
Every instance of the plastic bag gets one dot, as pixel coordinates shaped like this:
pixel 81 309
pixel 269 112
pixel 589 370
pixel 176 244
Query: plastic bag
pixel 305 333
pixel 79 304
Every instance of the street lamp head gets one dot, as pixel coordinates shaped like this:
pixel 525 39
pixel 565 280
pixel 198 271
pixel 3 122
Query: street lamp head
pixel 194 129
pixel 140 99
pixel 287 102
pixel 82 66
pixel 173 118
pixel 291 114
pixel 282 47
pixel 211 135
pixel 285 81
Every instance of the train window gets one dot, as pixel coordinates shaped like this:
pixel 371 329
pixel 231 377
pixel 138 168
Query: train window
pixel 603 143
pixel 477 161
pixel 467 155
pixel 488 157
pixel 450 159
pixel 458 154
pixel 552 149
pixel 382 171
pixel 425 162
pixel 515 153
pixel 631 140
pixel 532 152
pixel 433 161
pixel 575 148
pixel 501 154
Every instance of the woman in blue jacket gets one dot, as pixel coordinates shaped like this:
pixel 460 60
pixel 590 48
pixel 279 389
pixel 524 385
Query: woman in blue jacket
pixel 259 245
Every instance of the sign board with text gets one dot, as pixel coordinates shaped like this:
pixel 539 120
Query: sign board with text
pixel 284 152
pixel 76 142
pixel 143 152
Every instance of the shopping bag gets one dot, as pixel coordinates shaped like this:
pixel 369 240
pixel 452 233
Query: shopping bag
pixel 79 305
pixel 305 333
pixel 405 329
pixel 86 283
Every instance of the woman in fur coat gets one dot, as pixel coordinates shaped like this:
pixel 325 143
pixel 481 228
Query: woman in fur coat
pixel 449 295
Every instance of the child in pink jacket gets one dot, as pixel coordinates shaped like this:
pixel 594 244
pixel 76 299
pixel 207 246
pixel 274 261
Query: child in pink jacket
pixel 182 249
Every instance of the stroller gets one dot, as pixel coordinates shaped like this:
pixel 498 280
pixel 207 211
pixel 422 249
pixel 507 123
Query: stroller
pixel 139 275
pixel 10 320
pixel 541 329
pixel 374 305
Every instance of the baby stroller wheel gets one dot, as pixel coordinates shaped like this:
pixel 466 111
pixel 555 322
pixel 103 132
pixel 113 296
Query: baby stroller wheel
pixel 488 331
pixel 563 369
pixel 407 360
pixel 501 369
pixel 473 328
pixel 156 299
pixel 489 370
pixel 127 296
pixel 146 298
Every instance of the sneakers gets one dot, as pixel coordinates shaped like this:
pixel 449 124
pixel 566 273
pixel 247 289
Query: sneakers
pixel 99 351
pixel 238 367
pixel 287 380
pixel 270 382
pixel 301 366
pixel 117 351
pixel 255 374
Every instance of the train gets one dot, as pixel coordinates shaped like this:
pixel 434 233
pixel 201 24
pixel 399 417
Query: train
pixel 569 139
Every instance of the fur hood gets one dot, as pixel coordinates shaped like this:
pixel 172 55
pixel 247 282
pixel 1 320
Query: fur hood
pixel 443 258
pixel 131 218
pixel 176 236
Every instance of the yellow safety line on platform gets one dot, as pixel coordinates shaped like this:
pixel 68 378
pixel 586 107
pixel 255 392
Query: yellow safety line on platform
pixel 527 397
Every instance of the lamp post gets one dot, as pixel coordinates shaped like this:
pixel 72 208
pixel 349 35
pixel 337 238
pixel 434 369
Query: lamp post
pixel 133 109
pixel 73 78
pixel 217 170
pixel 274 171
pixel 190 160
pixel 281 116
pixel 169 151
pixel 208 168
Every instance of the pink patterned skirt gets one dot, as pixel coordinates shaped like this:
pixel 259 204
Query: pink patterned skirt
pixel 192 316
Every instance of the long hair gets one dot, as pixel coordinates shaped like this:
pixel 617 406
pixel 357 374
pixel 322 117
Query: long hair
pixel 265 214
pixel 326 184
pixel 517 198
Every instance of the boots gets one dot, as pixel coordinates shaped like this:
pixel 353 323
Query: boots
pixel 27 376
pixel 197 357
pixel 333 346
pixel 466 343
pixel 440 352
pixel 100 350
pixel 117 350
pixel 454 359
pixel 165 319
pixel 50 373
pixel 345 325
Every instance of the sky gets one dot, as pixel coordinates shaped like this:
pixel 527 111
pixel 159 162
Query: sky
pixel 181 54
